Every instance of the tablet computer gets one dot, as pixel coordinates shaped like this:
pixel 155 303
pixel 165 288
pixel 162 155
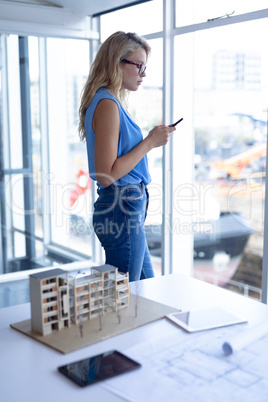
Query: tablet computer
pixel 97 368
pixel 198 320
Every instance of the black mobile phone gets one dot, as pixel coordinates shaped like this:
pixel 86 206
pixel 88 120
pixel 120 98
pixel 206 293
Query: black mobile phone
pixel 97 368
pixel 177 122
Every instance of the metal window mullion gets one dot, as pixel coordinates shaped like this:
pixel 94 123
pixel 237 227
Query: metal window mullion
pixel 22 171
pixel 264 295
pixel 9 246
pixel 94 44
pixel 27 147
pixel 155 35
pixel 7 217
pixel 46 206
pixel 168 67
pixel 3 137
pixel 97 253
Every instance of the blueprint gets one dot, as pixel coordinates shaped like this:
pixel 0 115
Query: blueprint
pixel 182 366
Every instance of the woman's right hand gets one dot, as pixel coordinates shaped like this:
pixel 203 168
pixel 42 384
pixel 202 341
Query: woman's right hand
pixel 159 135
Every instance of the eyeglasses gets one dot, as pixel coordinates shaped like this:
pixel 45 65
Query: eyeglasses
pixel 141 67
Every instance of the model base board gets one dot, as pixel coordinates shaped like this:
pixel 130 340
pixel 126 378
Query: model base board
pixel 69 339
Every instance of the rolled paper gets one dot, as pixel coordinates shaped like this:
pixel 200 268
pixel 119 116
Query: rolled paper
pixel 238 342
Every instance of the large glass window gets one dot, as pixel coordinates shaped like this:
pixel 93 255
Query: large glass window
pixel 145 106
pixel 68 181
pixel 190 12
pixel 18 153
pixel 230 129
pixel 30 220
pixel 143 18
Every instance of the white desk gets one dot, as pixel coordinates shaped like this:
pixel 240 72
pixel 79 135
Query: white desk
pixel 28 369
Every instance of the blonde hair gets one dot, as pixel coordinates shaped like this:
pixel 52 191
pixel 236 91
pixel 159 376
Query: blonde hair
pixel 105 71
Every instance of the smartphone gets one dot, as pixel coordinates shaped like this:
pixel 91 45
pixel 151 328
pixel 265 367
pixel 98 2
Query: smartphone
pixel 177 122
pixel 97 368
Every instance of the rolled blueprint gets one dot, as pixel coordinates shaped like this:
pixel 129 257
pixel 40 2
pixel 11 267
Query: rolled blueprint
pixel 238 342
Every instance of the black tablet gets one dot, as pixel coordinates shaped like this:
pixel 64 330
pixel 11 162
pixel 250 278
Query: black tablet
pixel 97 368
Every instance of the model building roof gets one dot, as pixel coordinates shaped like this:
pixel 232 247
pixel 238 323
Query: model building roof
pixel 49 273
pixel 104 268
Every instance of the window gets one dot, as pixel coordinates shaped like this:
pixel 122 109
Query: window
pixel 194 11
pixel 143 19
pixel 13 182
pixel 229 97
pixel 30 221
pixel 145 106
pixel 68 180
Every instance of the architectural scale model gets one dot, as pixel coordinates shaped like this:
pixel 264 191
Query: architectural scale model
pixel 59 300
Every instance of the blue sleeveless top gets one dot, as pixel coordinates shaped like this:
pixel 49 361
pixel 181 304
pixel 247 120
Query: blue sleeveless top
pixel 130 135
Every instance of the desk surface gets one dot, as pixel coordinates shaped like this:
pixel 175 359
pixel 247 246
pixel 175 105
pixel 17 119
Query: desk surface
pixel 28 369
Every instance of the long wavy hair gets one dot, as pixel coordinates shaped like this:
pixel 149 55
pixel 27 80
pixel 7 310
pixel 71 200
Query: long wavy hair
pixel 105 71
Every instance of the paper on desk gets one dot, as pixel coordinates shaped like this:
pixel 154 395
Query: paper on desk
pixel 238 342
pixel 182 366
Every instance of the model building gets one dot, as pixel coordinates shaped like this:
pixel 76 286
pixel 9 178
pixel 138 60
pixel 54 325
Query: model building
pixel 59 300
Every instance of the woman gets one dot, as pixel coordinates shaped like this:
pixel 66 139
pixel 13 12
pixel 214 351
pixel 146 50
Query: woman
pixel 117 152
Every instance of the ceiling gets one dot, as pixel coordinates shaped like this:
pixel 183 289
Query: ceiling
pixel 55 18
pixel 79 7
